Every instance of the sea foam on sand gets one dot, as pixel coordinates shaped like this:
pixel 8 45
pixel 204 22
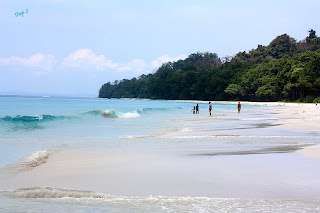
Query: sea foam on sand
pixel 175 172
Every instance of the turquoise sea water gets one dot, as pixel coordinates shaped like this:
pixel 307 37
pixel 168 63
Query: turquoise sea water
pixel 32 126
pixel 29 124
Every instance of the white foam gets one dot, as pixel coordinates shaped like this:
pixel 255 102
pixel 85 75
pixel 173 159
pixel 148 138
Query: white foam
pixel 108 113
pixel 39 117
pixel 48 192
pixel 167 203
pixel 30 162
pixel 37 158
pixel 129 115
pixel 140 110
pixel 114 114
pixel 136 136
pixel 259 119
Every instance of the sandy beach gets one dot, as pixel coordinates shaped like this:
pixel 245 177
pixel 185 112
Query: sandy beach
pixel 261 155
pixel 298 116
pixel 165 172
pixel 302 117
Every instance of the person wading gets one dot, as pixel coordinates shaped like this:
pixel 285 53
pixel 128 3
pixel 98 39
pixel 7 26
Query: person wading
pixel 197 109
pixel 239 107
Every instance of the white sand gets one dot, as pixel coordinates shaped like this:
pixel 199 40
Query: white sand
pixel 312 151
pixel 298 116
pixel 160 172
pixel 304 117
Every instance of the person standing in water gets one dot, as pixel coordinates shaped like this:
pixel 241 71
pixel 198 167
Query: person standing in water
pixel 197 109
pixel 210 108
pixel 239 107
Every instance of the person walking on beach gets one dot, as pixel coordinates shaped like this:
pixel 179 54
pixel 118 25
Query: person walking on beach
pixel 193 110
pixel 197 109
pixel 210 108
pixel 239 107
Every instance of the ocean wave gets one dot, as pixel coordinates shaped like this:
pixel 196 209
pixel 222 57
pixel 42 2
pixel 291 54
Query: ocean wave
pixel 114 114
pixel 36 118
pixel 113 203
pixel 186 130
pixel 48 192
pixel 158 109
pixel 225 135
pixel 34 121
pixel 130 115
pixel 136 136
pixel 108 113
pixel 36 159
pixel 26 122
pixel 30 162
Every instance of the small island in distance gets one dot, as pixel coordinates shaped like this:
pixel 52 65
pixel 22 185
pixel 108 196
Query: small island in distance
pixel 285 70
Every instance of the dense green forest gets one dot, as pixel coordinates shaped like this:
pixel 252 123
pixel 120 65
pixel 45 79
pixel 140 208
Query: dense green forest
pixel 285 70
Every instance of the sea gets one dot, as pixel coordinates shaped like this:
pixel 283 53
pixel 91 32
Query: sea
pixel 226 162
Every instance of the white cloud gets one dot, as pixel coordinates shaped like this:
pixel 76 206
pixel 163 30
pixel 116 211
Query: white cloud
pixel 41 61
pixel 86 58
pixel 139 66
pixel 164 59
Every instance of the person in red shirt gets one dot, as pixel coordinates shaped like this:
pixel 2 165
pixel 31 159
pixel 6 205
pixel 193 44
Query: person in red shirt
pixel 239 107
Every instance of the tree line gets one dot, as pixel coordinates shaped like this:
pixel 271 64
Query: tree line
pixel 285 70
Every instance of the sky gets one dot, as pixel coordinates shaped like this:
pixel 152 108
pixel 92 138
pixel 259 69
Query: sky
pixel 72 47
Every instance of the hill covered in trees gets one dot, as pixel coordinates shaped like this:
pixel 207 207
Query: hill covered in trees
pixel 283 70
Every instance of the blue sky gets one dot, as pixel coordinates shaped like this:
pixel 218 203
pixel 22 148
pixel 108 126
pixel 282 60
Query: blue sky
pixel 73 47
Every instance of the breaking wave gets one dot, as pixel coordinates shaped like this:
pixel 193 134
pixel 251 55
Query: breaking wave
pixel 114 114
pixel 19 122
pixel 99 202
pixel 110 113
pixel 25 118
pixel 48 192
pixel 32 122
pixel 26 122
pixel 30 162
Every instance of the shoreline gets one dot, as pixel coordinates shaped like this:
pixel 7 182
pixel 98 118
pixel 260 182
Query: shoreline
pixel 261 103
pixel 223 167
pixel 156 172
pixel 294 116
pixel 311 151
pixel 297 116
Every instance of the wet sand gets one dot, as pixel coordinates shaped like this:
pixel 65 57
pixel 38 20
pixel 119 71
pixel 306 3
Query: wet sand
pixel 313 151
pixel 277 173
pixel 159 172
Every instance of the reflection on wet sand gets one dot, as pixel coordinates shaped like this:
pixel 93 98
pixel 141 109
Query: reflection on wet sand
pixel 272 150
